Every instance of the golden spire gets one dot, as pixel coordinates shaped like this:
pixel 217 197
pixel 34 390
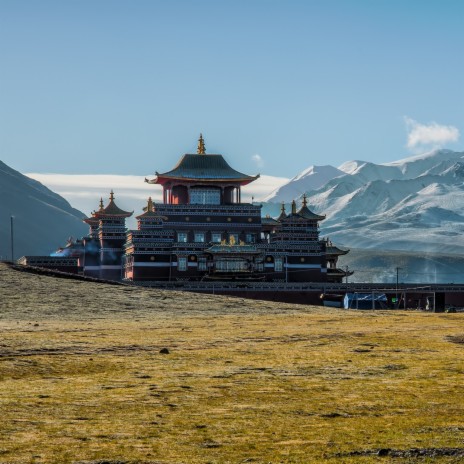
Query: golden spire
pixel 150 204
pixel 111 195
pixel 101 203
pixel 282 208
pixel 201 150
pixel 305 200
pixel 293 207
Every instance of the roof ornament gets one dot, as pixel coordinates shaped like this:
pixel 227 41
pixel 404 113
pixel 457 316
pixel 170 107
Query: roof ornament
pixel 201 149
pixel 111 195
pixel 305 199
pixel 101 203
pixel 282 208
pixel 150 205
pixel 293 207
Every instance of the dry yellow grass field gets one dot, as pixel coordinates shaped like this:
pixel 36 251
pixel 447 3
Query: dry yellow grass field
pixel 82 379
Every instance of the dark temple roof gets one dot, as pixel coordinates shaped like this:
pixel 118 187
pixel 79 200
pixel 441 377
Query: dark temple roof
pixel 205 168
pixel 333 250
pixel 112 209
pixel 308 214
pixel 150 212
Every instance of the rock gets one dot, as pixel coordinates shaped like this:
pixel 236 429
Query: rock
pixel 164 351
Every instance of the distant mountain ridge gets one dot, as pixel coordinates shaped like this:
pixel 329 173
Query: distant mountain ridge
pixel 311 178
pixel 412 204
pixel 42 219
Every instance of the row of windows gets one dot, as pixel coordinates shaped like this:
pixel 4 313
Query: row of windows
pixel 182 263
pixel 226 265
pixel 216 237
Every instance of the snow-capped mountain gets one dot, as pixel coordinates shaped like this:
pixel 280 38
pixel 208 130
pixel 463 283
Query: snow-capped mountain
pixel 412 204
pixel 311 178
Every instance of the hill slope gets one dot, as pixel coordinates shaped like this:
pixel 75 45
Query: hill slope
pixel 42 219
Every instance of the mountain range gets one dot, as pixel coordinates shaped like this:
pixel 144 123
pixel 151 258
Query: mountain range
pixel 414 204
pixel 42 219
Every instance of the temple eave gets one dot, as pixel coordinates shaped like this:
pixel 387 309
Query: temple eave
pixel 334 251
pixel 199 180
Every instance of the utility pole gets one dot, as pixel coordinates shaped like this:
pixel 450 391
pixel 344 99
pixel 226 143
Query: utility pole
pixel 397 275
pixel 12 237
pixel 286 269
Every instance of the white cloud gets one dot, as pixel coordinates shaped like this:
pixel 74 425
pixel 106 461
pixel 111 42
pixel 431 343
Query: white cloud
pixel 433 134
pixel 262 187
pixel 258 160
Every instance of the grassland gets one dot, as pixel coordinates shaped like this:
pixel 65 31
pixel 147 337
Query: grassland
pixel 82 379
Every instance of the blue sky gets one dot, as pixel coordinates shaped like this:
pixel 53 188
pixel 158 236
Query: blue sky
pixel 125 87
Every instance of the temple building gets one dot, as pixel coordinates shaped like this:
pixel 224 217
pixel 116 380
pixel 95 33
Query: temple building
pixel 203 231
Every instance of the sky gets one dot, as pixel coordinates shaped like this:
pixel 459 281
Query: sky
pixel 125 87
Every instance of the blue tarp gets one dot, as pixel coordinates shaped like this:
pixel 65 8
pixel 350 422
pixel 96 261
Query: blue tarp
pixel 365 301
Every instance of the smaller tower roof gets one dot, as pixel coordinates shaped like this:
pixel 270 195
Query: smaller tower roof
pixel 306 213
pixel 150 212
pixel 283 213
pixel 111 209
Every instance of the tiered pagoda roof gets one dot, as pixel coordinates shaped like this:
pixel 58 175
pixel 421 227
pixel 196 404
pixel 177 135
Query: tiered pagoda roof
pixel 150 212
pixel 331 249
pixel 92 221
pixel 269 221
pixel 111 209
pixel 202 167
pixel 303 213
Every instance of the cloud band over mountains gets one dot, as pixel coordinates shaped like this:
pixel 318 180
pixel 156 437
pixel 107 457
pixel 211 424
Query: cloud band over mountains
pixel 131 192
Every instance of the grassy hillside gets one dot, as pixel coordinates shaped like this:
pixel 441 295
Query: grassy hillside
pixel 82 378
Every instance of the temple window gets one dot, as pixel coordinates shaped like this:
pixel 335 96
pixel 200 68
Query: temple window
pixel 182 237
pixel 202 264
pixel 199 237
pixel 216 237
pixel 250 238
pixel 278 264
pixel 182 263
pixel 232 265
pixel 199 196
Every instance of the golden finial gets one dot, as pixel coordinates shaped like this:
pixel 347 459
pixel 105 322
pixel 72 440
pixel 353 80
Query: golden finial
pixel 293 207
pixel 150 204
pixel 282 208
pixel 111 195
pixel 101 203
pixel 201 150
pixel 305 200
